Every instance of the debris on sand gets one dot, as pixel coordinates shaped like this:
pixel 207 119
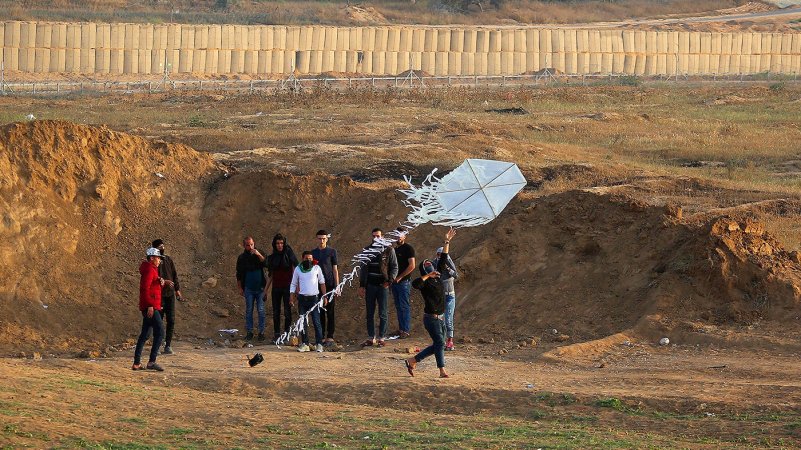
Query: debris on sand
pixel 518 111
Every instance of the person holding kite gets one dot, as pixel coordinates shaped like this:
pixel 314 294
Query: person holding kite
pixel 433 291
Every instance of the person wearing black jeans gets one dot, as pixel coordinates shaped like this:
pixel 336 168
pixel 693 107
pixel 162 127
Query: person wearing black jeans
pixel 280 266
pixel 168 295
pixel 433 292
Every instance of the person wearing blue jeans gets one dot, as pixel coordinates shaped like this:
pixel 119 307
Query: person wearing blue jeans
pixel 305 304
pixel 449 275
pixel 431 287
pixel 154 323
pixel 376 295
pixel 308 283
pixel 401 284
pixel 374 279
pixel 251 281
pixel 254 298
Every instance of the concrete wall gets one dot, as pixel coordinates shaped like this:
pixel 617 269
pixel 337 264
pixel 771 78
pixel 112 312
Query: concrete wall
pixel 89 48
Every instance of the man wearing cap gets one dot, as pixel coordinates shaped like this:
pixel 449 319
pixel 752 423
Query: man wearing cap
pixel 168 294
pixel 251 281
pixel 448 276
pixel 150 285
pixel 402 285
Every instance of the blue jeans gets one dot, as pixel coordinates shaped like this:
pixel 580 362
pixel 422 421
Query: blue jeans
pixel 258 298
pixel 436 329
pixel 153 323
pixel 305 304
pixel 401 292
pixel 450 308
pixel 376 294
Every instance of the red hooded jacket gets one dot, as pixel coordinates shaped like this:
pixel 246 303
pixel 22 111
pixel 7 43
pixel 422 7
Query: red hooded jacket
pixel 149 287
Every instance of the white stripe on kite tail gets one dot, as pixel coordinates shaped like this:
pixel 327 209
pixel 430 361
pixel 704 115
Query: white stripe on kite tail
pixel 424 207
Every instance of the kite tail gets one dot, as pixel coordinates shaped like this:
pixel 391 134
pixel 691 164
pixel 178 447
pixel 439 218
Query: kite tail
pixel 423 207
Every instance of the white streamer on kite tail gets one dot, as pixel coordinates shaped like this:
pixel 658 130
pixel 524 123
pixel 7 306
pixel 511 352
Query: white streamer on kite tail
pixel 424 207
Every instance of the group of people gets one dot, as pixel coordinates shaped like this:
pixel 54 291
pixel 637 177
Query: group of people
pixel 289 282
pixel 303 283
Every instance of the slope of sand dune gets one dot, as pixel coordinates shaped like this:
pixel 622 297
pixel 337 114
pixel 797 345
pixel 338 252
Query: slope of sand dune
pixel 81 204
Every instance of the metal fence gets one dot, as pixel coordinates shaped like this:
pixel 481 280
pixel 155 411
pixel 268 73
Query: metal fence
pixel 295 84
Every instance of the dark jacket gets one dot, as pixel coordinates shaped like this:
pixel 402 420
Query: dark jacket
pixel 168 272
pixel 248 262
pixel 280 265
pixel 380 269
pixel 433 289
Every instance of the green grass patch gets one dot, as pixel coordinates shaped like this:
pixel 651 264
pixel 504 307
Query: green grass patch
pixel 136 420
pixel 179 431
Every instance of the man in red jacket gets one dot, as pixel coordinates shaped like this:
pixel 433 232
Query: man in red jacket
pixel 150 305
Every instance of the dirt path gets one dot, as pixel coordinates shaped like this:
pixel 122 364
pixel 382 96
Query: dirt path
pixel 643 392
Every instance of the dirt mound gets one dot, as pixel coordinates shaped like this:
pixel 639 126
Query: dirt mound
pixel 81 205
pixel 364 14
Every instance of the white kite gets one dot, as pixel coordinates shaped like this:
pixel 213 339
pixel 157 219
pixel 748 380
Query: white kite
pixel 473 194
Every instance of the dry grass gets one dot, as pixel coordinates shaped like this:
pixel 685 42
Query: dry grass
pixel 430 12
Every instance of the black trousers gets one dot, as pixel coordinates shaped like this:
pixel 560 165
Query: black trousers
pixel 168 313
pixel 281 297
pixel 327 318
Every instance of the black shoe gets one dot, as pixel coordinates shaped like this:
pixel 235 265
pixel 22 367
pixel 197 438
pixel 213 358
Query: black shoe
pixel 154 366
pixel 261 337
pixel 167 351
pixel 249 336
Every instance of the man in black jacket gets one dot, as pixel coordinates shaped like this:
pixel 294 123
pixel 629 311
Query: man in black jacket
pixel 374 282
pixel 169 293
pixel 433 292
pixel 251 281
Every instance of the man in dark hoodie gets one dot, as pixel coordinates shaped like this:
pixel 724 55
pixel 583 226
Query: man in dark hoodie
pixel 433 291
pixel 150 285
pixel 251 281
pixel 280 266
pixel 168 294
pixel 374 282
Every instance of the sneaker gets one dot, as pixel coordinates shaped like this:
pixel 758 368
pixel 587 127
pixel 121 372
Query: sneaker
pixel 449 344
pixel 167 351
pixel 403 335
pixel 249 336
pixel 327 344
pixel 380 343
pixel 318 348
pixel 137 367
pixel 154 366
pixel 261 337
pixel 303 348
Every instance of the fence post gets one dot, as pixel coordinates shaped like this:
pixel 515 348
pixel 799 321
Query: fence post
pixel 251 86
pixel 34 87
pixel 200 85
pixel 58 88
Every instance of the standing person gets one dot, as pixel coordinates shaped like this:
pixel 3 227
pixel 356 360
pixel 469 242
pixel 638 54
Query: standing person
pixel 448 276
pixel 168 294
pixel 307 284
pixel 402 285
pixel 251 281
pixel 374 280
pixel 431 286
pixel 150 285
pixel 326 258
pixel 280 265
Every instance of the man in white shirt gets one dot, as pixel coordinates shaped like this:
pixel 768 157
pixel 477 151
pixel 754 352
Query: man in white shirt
pixel 308 283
